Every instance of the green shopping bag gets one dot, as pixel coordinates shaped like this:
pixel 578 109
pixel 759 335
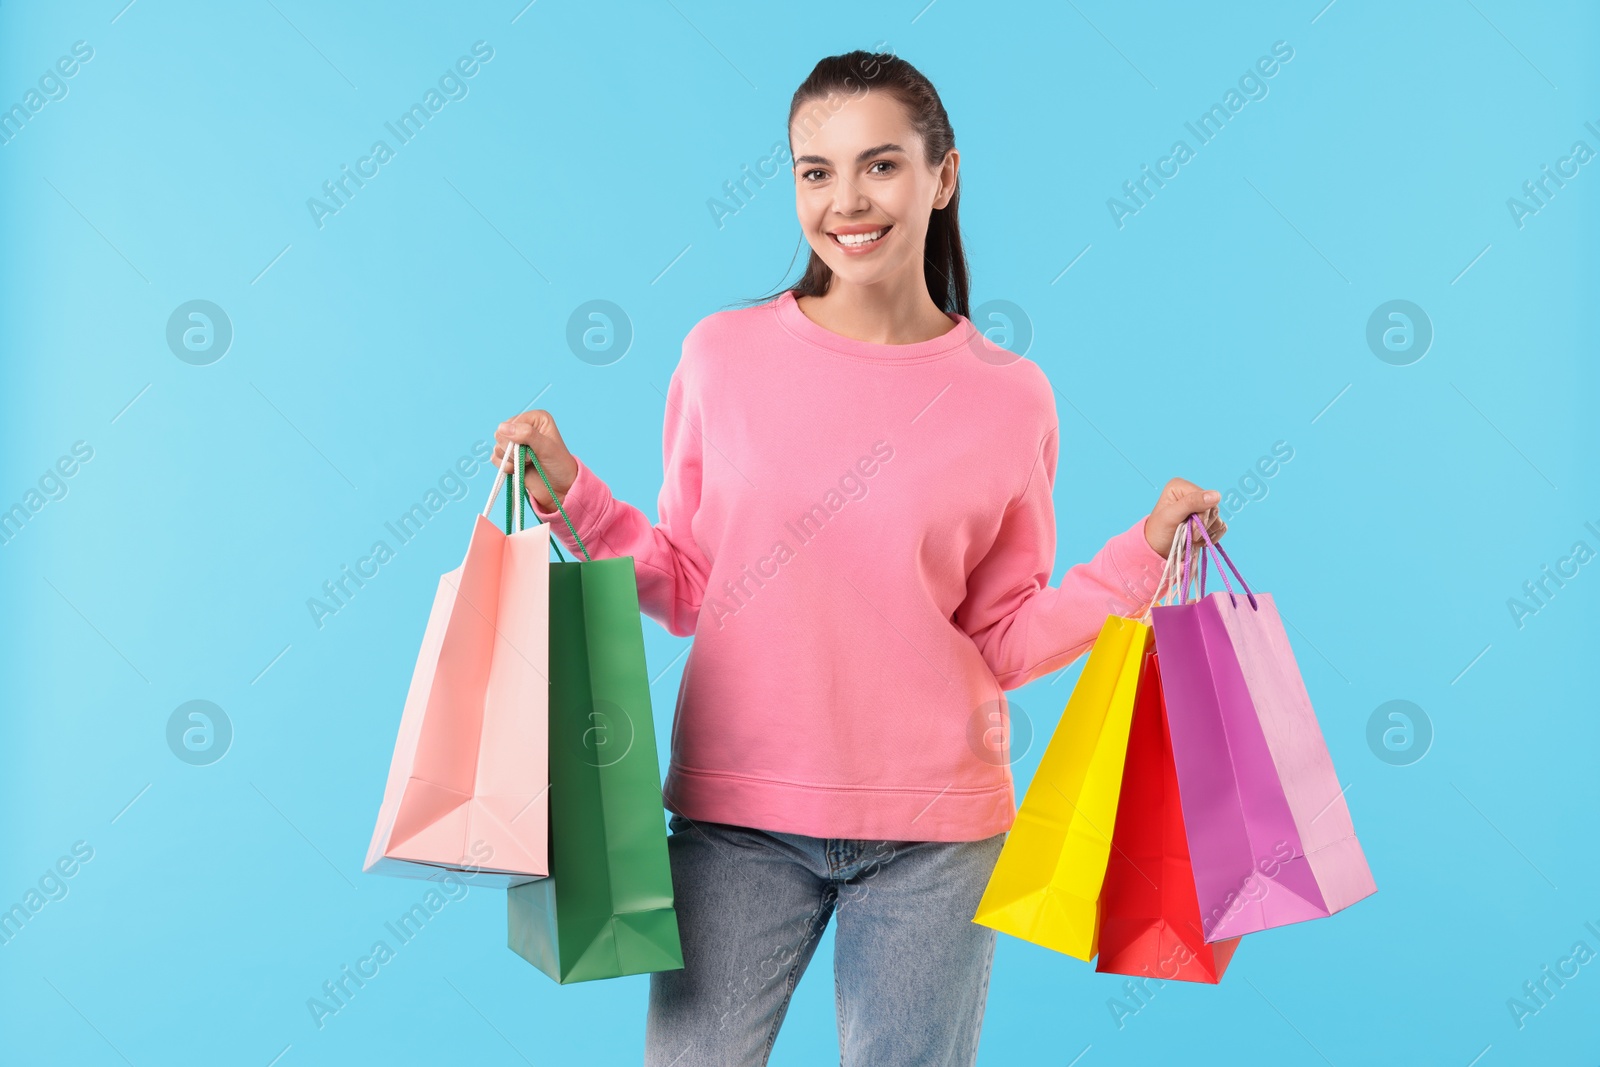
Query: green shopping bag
pixel 606 908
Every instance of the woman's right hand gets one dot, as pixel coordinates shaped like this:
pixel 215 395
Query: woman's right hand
pixel 537 430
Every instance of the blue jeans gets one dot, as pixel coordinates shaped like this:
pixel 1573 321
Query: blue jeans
pixel 911 968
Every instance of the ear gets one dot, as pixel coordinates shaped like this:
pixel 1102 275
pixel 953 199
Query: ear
pixel 948 172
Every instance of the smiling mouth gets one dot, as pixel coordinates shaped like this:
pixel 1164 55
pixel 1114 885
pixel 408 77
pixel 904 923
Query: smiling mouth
pixel 859 241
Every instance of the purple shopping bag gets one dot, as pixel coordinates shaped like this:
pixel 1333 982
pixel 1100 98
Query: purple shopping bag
pixel 1270 836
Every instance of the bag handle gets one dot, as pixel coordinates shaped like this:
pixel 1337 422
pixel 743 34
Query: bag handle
pixel 519 493
pixel 1180 560
pixel 494 490
pixel 1189 549
pixel 524 452
pixel 514 519
pixel 1169 573
pixel 1195 528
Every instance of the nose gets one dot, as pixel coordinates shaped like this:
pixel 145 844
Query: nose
pixel 848 199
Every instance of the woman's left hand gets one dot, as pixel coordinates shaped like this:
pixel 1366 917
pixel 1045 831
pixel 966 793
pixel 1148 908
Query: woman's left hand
pixel 1177 502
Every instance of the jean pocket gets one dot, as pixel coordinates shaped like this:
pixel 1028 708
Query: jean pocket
pixel 677 823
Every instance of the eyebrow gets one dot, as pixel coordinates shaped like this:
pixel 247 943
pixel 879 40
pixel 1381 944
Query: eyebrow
pixel 861 157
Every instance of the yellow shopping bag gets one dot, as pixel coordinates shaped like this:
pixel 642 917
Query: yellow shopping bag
pixel 1045 886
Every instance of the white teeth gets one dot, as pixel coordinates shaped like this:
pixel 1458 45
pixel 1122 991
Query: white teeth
pixel 858 238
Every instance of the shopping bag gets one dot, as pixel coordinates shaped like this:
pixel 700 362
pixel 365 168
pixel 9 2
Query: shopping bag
pixel 1270 835
pixel 607 908
pixel 1046 882
pixel 1149 915
pixel 468 777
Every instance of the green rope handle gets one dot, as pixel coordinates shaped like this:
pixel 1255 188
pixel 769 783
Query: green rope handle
pixel 515 487
pixel 540 469
pixel 511 486
pixel 524 453
pixel 511 499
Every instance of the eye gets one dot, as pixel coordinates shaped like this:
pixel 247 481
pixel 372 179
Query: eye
pixel 881 163
pixel 806 175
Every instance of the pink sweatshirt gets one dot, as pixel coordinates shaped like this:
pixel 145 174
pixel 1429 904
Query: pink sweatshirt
pixel 860 538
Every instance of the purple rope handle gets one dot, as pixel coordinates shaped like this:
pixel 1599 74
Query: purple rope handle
pixel 1198 530
pixel 1192 528
pixel 1187 530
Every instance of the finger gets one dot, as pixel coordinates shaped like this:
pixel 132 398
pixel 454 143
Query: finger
pixel 539 419
pixel 1207 520
pixel 1196 501
pixel 501 452
pixel 521 432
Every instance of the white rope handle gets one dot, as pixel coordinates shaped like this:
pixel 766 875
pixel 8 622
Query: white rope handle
pixel 1171 567
pixel 507 464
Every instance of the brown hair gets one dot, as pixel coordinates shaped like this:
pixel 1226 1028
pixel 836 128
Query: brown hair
pixel 944 262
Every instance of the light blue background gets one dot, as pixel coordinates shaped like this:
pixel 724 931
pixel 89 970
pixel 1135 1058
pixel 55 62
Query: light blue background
pixel 369 354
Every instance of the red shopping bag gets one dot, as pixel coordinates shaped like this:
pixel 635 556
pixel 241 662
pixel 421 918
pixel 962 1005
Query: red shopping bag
pixel 1149 913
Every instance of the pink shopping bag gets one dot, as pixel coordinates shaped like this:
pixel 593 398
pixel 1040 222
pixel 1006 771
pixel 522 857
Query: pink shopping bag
pixel 467 785
pixel 1270 835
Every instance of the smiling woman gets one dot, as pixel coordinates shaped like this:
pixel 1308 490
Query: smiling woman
pixel 822 735
pixel 877 197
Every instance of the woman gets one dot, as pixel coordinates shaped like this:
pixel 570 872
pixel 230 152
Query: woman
pixel 857 528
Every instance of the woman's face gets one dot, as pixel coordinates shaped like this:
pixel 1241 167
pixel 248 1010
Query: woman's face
pixel 862 172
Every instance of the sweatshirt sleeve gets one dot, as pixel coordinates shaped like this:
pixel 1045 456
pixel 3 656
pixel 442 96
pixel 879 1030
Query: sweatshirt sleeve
pixel 1023 626
pixel 669 566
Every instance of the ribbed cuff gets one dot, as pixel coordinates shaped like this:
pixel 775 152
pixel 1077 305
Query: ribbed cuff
pixel 585 503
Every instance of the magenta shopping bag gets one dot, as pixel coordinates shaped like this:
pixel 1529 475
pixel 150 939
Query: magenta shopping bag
pixel 1270 836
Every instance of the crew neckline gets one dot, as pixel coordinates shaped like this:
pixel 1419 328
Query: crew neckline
pixel 795 321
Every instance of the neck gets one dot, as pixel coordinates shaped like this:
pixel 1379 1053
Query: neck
pixel 886 312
